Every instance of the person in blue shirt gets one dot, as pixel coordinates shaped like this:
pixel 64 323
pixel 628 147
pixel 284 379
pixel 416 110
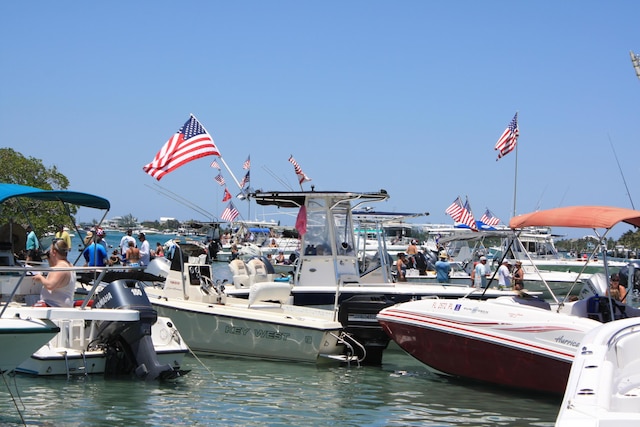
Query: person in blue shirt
pixel 32 245
pixel 95 255
pixel 443 268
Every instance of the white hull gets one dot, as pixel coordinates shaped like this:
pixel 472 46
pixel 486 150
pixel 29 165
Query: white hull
pixel 604 383
pixel 21 337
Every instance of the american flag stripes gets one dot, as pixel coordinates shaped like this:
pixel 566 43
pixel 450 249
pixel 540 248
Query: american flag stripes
pixel 215 164
pixel 245 180
pixel 230 213
pixel 190 143
pixel 509 138
pixel 489 219
pixel 247 163
pixel 462 213
pixel 296 167
pixel 220 179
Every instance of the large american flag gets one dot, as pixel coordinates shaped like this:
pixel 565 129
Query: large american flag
pixel 247 163
pixel 220 179
pixel 509 138
pixel 296 167
pixel 190 143
pixel 462 213
pixel 230 213
pixel 489 219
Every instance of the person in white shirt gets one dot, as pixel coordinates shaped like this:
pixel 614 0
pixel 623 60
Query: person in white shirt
pixel 124 243
pixel 145 252
pixel 504 275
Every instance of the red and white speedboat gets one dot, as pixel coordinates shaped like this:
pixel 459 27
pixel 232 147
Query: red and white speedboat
pixel 521 342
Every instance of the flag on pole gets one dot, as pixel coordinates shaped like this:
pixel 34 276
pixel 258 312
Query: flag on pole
pixel 489 219
pixel 301 221
pixel 190 143
pixel 462 213
pixel 215 164
pixel 467 217
pixel 227 195
pixel 509 138
pixel 230 213
pixel 247 163
pixel 296 167
pixel 245 180
pixel 455 209
pixel 220 179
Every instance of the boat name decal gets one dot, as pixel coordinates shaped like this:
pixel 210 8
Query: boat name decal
pixel 258 333
pixel 562 340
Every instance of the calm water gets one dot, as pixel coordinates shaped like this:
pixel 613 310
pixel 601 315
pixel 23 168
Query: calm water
pixel 228 392
pixel 242 392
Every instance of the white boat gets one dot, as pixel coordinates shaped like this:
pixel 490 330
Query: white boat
pixel 118 333
pixel 19 338
pixel 328 272
pixel 517 342
pixel 265 325
pixel 604 381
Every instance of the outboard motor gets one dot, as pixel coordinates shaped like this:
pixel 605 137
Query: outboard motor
pixel 358 317
pixel 130 347
pixel 630 275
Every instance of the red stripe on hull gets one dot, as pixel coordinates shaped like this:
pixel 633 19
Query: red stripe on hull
pixel 466 357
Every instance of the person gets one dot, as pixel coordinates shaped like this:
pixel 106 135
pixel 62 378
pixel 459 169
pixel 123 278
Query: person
pixel 101 239
pixel 473 273
pixel 234 252
pixel 61 233
pixel 124 243
pixel 273 243
pixel 95 255
pixel 412 249
pixel 504 275
pixel 280 258
pixel 518 277
pixel 421 263
pixel 159 250
pixel 32 245
pixel 58 287
pixel 401 267
pixel 481 273
pixel 145 252
pixel 175 254
pixel 443 268
pixel 133 255
pixel 616 290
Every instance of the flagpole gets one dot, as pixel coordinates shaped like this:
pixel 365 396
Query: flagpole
pixel 220 156
pixel 515 179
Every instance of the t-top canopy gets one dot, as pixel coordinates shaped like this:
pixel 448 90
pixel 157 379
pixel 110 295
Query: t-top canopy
pixel 8 191
pixel 578 217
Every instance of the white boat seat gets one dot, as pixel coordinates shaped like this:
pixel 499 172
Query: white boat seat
pixel 257 270
pixel 269 291
pixel 239 273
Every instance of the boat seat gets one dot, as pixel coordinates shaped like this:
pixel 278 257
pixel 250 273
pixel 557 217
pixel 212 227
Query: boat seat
pixel 269 292
pixel 257 270
pixel 239 273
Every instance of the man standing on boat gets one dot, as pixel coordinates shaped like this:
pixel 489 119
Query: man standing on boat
pixel 124 243
pixel 443 268
pixel 481 273
pixel 504 275
pixel 145 251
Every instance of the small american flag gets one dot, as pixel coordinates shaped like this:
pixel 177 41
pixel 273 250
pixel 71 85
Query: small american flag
pixel 247 163
pixel 215 164
pixel 230 213
pixel 509 138
pixel 220 179
pixel 190 143
pixel 489 219
pixel 296 167
pixel 245 180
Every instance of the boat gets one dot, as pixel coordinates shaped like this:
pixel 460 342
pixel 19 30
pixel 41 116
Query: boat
pixel 519 342
pixel 116 333
pixel 604 381
pixel 264 325
pixel 328 272
pixel 19 338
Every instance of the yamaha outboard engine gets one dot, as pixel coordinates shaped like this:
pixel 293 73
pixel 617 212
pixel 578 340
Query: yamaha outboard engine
pixel 129 344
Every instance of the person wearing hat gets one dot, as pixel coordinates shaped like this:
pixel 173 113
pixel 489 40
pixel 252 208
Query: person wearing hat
pixel 95 254
pixel 61 233
pixel 504 275
pixel 518 277
pixel 443 267
pixel 145 251
pixel 124 243
pixel 616 290
pixel 481 273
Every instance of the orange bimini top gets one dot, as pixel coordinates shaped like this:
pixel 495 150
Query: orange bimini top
pixel 577 217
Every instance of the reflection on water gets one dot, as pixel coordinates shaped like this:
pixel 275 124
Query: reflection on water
pixel 243 392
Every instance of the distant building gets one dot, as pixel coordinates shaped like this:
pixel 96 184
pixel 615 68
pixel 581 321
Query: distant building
pixel 165 219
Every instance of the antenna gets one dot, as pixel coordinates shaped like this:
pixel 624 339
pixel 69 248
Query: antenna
pixel 635 60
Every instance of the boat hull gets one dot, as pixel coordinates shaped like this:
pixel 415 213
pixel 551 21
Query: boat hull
pixel 19 338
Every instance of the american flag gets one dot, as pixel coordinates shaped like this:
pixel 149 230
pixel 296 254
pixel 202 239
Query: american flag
pixel 489 219
pixel 230 213
pixel 245 180
pixel 220 179
pixel 247 163
pixel 508 140
pixel 190 143
pixel 462 214
pixel 215 164
pixel 227 196
pixel 296 167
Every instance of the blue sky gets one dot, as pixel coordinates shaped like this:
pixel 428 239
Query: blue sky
pixel 408 96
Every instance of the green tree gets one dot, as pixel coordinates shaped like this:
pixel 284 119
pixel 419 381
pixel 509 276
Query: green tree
pixel 128 221
pixel 43 216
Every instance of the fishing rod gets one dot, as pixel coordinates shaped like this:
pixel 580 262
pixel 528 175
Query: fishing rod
pixel 176 197
pixel 620 169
